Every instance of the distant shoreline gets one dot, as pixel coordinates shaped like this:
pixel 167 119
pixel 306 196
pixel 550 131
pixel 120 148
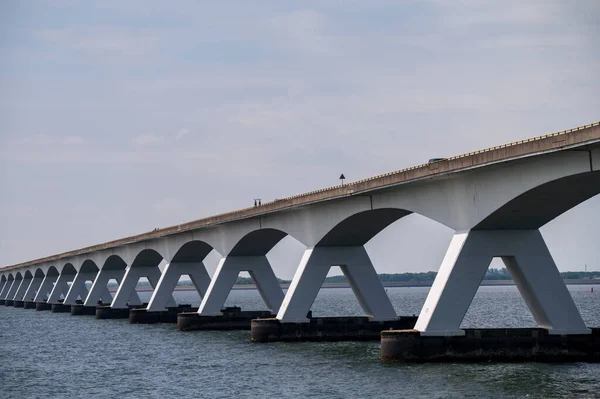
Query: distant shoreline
pixel 486 283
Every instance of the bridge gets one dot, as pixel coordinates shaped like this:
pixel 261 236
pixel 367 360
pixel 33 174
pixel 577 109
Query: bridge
pixel 495 200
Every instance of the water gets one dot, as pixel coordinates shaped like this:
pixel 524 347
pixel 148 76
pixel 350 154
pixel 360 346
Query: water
pixel 56 355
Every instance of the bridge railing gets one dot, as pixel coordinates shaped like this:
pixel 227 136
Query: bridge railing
pixel 445 159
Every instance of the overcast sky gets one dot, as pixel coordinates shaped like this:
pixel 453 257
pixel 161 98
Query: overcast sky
pixel 117 117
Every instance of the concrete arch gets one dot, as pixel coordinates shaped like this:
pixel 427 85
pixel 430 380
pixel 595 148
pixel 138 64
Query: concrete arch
pixel 68 268
pixel 88 266
pixel 540 205
pixel 147 257
pixel 188 260
pixel 39 273
pixel 114 262
pixel 52 271
pixel 359 228
pixel 192 251
pixel 258 242
pixel 27 274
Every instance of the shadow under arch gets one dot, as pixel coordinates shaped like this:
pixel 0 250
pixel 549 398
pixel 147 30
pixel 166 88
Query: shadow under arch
pixel 258 242
pixel 114 262
pixel 540 205
pixel 192 251
pixel 27 274
pixel 39 273
pixel 358 229
pixel 52 271
pixel 147 257
pixel 68 269
pixel 88 266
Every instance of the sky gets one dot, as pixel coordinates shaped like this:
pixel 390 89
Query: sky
pixel 117 117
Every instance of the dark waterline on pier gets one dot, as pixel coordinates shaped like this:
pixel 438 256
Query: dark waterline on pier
pixel 47 354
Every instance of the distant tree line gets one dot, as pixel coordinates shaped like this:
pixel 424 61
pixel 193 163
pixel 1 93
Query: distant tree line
pixel 491 274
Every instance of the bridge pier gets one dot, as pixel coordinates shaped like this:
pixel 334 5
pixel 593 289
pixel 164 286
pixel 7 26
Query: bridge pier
pixel 99 289
pixel 294 321
pixel 358 269
pixel 529 262
pixel 45 287
pixel 78 288
pixel 126 291
pixel 226 275
pixel 31 291
pixel 163 293
pixel 20 293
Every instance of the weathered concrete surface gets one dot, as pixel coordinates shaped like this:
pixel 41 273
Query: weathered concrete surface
pixel 326 329
pixel 106 312
pixel 232 318
pixel 60 308
pixel 42 306
pixel 18 304
pixel 144 316
pixel 79 309
pixel 485 345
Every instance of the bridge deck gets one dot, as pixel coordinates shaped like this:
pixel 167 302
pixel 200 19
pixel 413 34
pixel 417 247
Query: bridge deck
pixel 558 141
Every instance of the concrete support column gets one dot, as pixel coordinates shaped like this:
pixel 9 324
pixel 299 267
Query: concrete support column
pixel 61 287
pixel 227 273
pixel 22 288
pixel 35 284
pixel 530 264
pixel 127 286
pixel 99 289
pixel 2 287
pixel 169 278
pixel 45 287
pixel 78 288
pixel 6 289
pixel 13 289
pixel 309 277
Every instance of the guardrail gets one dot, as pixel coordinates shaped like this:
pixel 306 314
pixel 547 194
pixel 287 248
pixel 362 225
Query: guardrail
pixel 244 212
pixel 445 159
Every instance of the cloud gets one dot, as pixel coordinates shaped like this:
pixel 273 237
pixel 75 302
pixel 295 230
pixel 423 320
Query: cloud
pixel 181 133
pixel 148 139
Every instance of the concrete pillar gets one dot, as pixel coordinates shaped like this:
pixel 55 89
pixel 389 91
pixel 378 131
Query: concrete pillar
pixel 20 294
pixel 13 289
pixel 61 287
pixel 169 278
pixel 309 277
pixel 46 287
pixel 127 286
pixel 78 288
pixel 2 286
pixel 99 289
pixel 6 289
pixel 530 264
pixel 226 275
pixel 35 284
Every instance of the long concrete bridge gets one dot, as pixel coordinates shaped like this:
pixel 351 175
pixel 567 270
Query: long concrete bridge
pixel 495 199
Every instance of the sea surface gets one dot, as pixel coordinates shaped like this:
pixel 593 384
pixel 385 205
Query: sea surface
pixel 56 355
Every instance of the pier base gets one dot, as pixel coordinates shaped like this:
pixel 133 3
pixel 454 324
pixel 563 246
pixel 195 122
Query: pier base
pixel 60 308
pixel 106 312
pixel 485 345
pixel 326 329
pixel 8 302
pixel 2 301
pixel 232 318
pixel 43 306
pixel 79 309
pixel 143 316
pixel 29 305
pixel 18 304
